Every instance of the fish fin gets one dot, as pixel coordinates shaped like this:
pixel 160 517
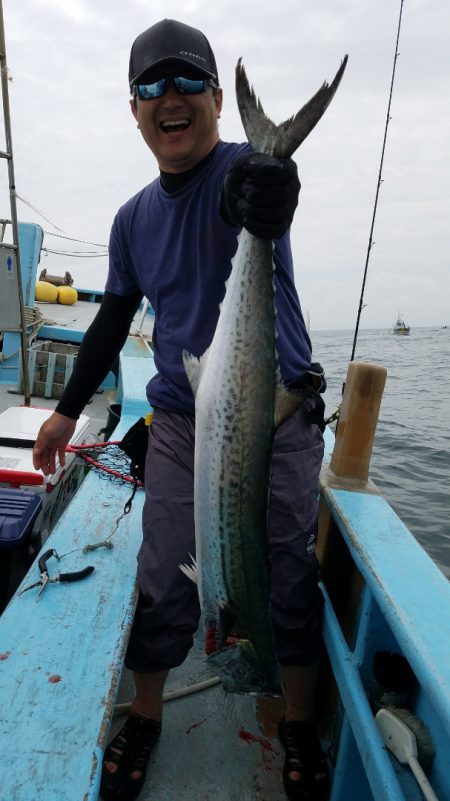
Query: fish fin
pixel 191 570
pixel 193 368
pixel 287 401
pixel 281 140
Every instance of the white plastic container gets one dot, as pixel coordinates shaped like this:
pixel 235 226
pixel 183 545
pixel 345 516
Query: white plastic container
pixel 19 426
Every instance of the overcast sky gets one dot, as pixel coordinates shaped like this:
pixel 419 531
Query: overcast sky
pixel 78 155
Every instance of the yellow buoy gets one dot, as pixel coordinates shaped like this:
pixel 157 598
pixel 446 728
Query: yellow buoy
pixel 45 292
pixel 67 295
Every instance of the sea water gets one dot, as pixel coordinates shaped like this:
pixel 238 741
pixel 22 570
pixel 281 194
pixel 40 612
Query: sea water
pixel 411 455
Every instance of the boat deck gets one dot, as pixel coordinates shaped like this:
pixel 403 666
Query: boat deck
pixel 79 317
pixel 213 746
pixel 96 409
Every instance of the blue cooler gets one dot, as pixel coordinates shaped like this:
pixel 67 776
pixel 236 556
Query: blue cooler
pixel 19 509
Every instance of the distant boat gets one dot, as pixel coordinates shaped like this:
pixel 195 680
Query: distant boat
pixel 400 326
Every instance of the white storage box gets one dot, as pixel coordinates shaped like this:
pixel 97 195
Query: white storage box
pixel 19 426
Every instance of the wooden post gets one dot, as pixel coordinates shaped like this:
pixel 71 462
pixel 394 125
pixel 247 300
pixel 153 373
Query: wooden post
pixel 357 421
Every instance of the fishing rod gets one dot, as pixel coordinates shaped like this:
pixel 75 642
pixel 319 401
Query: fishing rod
pixel 380 172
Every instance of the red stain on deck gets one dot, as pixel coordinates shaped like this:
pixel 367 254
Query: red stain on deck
pixel 248 737
pixel 196 725
pixel 269 762
pixel 54 679
pixel 5 656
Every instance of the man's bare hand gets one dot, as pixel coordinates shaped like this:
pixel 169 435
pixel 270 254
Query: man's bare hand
pixel 52 439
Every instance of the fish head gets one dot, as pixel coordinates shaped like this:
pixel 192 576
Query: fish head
pixel 241 670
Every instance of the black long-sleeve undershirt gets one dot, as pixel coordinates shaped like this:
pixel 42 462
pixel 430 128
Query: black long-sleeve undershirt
pixel 101 345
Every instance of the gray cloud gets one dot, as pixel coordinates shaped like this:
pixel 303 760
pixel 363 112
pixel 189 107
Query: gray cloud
pixel 78 155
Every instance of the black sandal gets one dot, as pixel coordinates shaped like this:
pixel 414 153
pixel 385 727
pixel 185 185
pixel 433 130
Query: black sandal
pixel 304 754
pixel 130 751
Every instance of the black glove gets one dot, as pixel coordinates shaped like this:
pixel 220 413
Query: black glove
pixel 260 193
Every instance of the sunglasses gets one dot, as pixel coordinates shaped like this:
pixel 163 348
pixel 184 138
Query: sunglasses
pixel 185 86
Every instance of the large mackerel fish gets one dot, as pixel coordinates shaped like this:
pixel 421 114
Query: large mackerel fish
pixel 240 400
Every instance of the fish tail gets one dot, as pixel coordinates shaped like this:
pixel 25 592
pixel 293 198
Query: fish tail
pixel 281 140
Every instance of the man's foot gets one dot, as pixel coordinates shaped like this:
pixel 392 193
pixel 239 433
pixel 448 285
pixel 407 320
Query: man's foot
pixel 126 757
pixel 305 770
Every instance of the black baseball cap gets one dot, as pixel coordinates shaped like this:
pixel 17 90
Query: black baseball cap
pixel 169 41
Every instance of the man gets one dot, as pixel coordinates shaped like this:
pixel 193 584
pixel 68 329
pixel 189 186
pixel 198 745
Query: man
pixel 173 242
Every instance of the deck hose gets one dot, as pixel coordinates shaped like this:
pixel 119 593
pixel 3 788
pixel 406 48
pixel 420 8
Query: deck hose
pixel 181 692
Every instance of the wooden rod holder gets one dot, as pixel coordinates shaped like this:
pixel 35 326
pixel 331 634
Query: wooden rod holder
pixel 357 421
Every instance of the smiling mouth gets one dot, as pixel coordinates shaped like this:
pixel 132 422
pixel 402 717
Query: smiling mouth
pixel 175 126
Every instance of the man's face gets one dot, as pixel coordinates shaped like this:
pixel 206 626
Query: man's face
pixel 179 148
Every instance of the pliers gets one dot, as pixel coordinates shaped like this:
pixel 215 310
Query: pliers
pixel 45 579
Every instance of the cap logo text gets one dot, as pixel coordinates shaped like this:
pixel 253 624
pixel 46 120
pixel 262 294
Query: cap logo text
pixel 194 55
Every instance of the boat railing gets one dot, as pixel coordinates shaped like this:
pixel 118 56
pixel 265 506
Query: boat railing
pixel 62 654
pixel 382 593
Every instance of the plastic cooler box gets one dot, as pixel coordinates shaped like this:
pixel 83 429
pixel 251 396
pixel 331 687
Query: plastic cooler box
pixel 19 426
pixel 19 509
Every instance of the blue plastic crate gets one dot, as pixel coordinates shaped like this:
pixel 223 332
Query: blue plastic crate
pixel 18 511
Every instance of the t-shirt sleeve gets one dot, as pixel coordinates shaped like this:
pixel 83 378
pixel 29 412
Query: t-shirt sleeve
pixel 120 280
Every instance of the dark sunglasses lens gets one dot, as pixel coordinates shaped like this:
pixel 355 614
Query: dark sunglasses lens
pixel 185 86
pixel 148 91
pixel 189 86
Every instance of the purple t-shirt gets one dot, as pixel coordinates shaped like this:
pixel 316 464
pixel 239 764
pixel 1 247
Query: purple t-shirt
pixel 176 250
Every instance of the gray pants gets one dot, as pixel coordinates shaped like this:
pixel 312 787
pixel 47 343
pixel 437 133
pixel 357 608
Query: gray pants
pixel 168 610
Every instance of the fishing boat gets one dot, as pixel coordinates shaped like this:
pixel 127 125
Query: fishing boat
pixel 63 685
pixel 70 644
pixel 400 326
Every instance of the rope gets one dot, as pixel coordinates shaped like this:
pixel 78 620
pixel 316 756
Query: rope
pixel 40 213
pixel 334 416
pixel 34 319
pixel 80 450
pixel 72 239
pixel 79 254
pixel 181 692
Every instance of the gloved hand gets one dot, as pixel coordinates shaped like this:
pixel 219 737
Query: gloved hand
pixel 260 193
